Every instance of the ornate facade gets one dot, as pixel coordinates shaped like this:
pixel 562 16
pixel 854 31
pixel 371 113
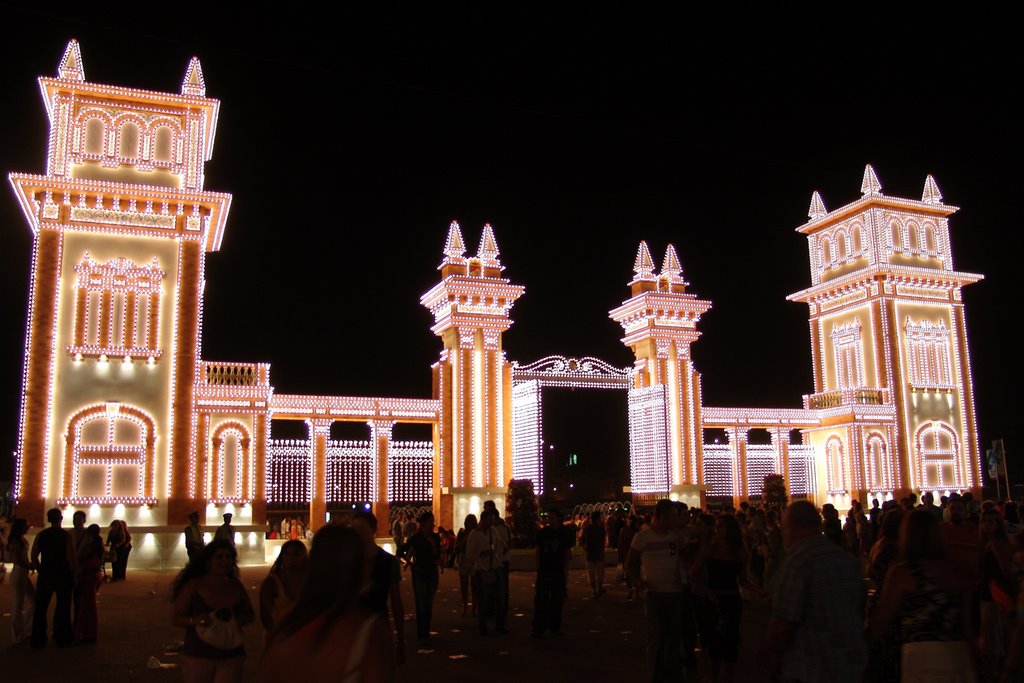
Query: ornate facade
pixel 122 417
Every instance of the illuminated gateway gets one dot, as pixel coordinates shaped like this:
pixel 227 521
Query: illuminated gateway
pixel 121 416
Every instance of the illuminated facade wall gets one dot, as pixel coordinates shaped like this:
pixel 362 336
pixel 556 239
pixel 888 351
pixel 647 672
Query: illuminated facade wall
pixel 122 418
pixel 473 379
pixel 660 321
pixel 121 225
pixel 889 347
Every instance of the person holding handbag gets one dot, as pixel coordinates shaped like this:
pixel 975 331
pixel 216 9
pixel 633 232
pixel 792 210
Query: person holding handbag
pixel 212 605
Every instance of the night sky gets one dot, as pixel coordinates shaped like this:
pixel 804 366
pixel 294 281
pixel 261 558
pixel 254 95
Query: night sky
pixel 349 147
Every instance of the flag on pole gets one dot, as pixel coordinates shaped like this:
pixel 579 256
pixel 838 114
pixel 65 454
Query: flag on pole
pixel 996 460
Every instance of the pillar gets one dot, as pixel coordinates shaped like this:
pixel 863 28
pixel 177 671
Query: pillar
pixel 319 433
pixel 780 441
pixel 738 439
pixel 380 435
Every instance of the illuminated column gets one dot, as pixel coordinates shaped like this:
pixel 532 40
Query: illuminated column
pixel 738 440
pixel 471 308
pixel 259 454
pixel 780 442
pixel 380 435
pixel 660 323
pixel 186 357
pixel 33 454
pixel 319 433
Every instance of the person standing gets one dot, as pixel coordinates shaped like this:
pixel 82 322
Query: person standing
pixel 53 557
pixel 502 548
pixel 119 539
pixel 90 560
pixel 552 558
pixel 593 541
pixel 212 605
pixel 657 551
pixel 194 541
pixel 423 551
pixel 816 629
pixel 465 563
pixel 385 577
pixel 283 584
pixel 226 532
pixel 485 548
pixel 22 590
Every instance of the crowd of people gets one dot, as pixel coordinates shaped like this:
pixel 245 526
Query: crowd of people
pixel 900 590
pixel 69 567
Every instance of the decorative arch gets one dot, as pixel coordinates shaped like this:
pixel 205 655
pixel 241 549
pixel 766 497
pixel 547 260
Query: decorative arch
pixel 236 434
pixel 94 124
pixel 115 442
pixel 857 241
pixel 826 252
pixel 937 448
pixel 835 467
pixel 895 235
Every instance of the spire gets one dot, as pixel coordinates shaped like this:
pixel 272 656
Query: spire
pixel 931 193
pixel 488 249
pixel 193 83
pixel 670 266
pixel 70 66
pixel 643 266
pixel 817 208
pixel 453 246
pixel 870 184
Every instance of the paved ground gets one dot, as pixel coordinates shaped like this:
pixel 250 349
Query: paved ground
pixel 603 638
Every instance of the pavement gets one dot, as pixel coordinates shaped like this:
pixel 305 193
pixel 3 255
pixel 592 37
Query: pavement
pixel 602 638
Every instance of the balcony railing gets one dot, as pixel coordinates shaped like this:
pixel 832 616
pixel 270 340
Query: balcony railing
pixel 850 396
pixel 235 374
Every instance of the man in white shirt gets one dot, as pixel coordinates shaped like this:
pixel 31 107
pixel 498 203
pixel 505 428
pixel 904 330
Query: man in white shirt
pixel 658 551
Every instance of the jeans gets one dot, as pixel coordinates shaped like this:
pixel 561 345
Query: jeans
pixel 547 603
pixel 487 592
pixel 46 586
pixel 664 630
pixel 424 587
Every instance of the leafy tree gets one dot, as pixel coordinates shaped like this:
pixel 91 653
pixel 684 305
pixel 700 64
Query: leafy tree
pixel 774 495
pixel 522 512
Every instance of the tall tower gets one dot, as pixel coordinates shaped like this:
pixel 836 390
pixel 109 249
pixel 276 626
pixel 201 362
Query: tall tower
pixel 892 375
pixel 660 321
pixel 121 225
pixel 472 379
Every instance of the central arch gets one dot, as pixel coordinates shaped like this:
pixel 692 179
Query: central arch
pixel 527 404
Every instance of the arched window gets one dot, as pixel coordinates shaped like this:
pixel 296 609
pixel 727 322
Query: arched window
pixel 876 462
pixel 929 239
pixel 840 245
pixel 857 245
pixel 129 145
pixel 94 131
pixel 894 229
pixel 163 142
pixel 109 456
pixel 826 252
pixel 230 467
pixel 835 465
pixel 938 457
pixel 912 237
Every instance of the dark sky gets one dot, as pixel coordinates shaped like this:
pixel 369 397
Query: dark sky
pixel 350 145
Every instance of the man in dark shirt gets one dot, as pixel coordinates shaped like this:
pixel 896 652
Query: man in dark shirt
pixel 423 551
pixel 553 549
pixel 56 570
pixel 385 575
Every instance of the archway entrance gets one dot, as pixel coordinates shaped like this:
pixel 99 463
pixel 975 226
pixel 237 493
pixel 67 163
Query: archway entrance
pixel 528 381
